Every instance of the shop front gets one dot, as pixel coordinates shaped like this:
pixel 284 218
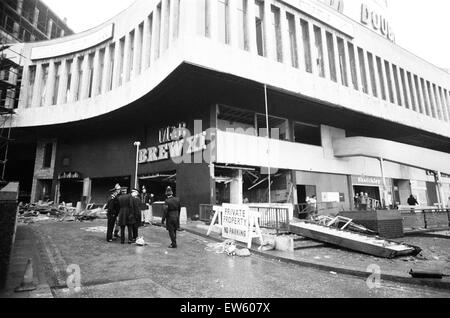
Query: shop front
pixel 373 188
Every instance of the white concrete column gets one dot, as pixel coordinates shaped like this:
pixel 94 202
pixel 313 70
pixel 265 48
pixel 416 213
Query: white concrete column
pixel 440 92
pixel 188 18
pixel 339 74
pixel 37 87
pixel 446 101
pixel 269 36
pixel 85 80
pixel 377 77
pixel 312 45
pixel 75 80
pixel 62 88
pixel 408 96
pixel 326 59
pixel 117 70
pixel 401 98
pixel 233 24
pixel 367 72
pixel 50 84
pixel 347 65
pixel 440 110
pixel 165 26
pixel 19 7
pixel 49 28
pixel 212 26
pixel 414 95
pixel 146 44
pixel 433 101
pixel 127 59
pixel 299 40
pixel 422 97
pixel 26 90
pixel 137 52
pixel 106 70
pixel 173 18
pixel 251 27
pixel 96 77
pixel 426 97
pixel 156 33
pixel 394 87
pixel 285 45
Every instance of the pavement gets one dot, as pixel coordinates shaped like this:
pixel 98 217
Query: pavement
pixel 435 256
pixel 112 270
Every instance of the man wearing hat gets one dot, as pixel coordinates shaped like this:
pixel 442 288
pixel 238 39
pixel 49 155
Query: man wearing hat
pixel 172 210
pixel 135 209
pixel 112 207
pixel 126 217
pixel 118 191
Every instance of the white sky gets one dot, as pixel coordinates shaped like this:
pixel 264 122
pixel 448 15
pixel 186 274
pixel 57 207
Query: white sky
pixel 420 27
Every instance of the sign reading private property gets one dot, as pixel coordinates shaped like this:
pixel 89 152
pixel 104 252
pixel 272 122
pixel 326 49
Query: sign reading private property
pixel 235 222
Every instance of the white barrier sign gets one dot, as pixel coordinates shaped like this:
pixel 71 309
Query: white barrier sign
pixel 235 222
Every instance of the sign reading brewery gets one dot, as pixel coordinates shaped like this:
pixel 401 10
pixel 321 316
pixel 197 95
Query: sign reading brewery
pixel 366 181
pixel 174 142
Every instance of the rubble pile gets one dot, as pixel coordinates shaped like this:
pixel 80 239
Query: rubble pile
pixel 37 212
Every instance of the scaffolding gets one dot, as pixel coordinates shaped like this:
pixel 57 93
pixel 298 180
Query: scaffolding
pixel 10 83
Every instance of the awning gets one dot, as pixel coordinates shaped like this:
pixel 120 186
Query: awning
pixel 396 152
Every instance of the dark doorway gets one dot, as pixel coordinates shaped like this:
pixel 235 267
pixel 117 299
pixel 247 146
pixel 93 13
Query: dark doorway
pixel 432 194
pixel 373 192
pixel 71 191
pixel 304 191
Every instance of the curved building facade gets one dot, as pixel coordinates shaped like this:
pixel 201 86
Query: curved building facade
pixel 350 110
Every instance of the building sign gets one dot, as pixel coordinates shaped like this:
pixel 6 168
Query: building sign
pixel 367 181
pixel 378 22
pixel 174 142
pixel 69 176
pixel 235 222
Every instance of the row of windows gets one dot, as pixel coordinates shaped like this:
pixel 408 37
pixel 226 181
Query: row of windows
pixel 97 72
pixel 325 53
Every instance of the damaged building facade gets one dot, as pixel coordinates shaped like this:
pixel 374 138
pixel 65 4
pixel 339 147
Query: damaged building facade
pixel 349 111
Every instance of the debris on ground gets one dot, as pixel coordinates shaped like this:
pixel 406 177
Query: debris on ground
pixel 227 247
pixel 35 212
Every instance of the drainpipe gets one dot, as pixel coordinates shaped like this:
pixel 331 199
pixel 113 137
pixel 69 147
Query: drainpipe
pixel 384 199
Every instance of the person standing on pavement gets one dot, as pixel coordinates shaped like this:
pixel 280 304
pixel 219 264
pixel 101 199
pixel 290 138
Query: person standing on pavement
pixel 119 192
pixel 135 209
pixel 412 201
pixel 126 218
pixel 145 205
pixel 112 207
pixel 172 211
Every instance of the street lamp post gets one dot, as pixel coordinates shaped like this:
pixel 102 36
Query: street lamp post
pixel 137 144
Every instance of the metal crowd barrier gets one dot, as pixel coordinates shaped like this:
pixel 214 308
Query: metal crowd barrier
pixel 276 218
pixel 414 219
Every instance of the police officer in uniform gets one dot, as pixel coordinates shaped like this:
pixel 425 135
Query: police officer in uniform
pixel 172 210
pixel 136 211
pixel 126 217
pixel 112 207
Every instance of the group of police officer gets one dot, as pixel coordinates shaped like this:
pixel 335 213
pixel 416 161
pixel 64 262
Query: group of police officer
pixel 125 210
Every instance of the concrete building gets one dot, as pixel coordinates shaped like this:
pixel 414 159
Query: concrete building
pixel 349 110
pixel 28 21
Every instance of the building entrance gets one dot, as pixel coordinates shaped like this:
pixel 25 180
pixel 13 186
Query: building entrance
pixel 372 192
pixel 71 191
pixel 158 183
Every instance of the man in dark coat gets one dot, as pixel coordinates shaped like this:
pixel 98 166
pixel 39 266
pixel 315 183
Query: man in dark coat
pixel 112 208
pixel 135 209
pixel 412 201
pixel 126 218
pixel 172 210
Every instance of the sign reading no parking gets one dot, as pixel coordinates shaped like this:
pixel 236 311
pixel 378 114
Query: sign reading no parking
pixel 235 222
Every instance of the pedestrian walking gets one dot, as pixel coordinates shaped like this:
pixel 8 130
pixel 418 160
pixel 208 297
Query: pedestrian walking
pixel 126 218
pixel 412 201
pixel 172 211
pixel 135 209
pixel 112 208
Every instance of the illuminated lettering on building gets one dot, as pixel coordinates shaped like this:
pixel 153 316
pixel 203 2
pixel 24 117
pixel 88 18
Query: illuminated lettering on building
pixel 174 143
pixel 377 22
